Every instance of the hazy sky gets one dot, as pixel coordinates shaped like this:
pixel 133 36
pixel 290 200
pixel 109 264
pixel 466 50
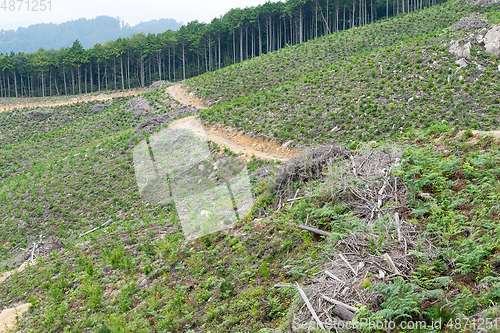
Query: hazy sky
pixel 131 11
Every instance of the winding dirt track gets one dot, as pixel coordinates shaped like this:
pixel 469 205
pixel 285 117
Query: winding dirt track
pixel 238 143
pixel 101 97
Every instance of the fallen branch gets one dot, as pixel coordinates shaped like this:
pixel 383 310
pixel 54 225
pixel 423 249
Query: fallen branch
pixel 398 226
pixel 309 306
pixel 32 258
pixel 333 301
pixel 333 277
pixel 348 264
pixel 390 262
pixel 97 228
pixel 283 286
pixel 315 230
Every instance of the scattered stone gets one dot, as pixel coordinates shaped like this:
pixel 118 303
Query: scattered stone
pixel 99 108
pixel 462 51
pixel 201 168
pixel 106 269
pixel 157 85
pixel 461 62
pixel 492 40
pixel 205 213
pixel 37 115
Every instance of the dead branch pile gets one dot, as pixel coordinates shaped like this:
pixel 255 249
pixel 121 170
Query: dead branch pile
pixel 37 249
pixel 356 262
pixel 366 184
pixel 157 85
pixel 482 3
pixel 470 23
pixel 159 121
pixel 307 166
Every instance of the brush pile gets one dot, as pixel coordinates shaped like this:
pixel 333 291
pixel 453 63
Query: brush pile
pixel 307 166
pixel 364 181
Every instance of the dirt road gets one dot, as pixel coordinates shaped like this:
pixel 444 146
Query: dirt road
pixel 101 97
pixel 182 96
pixel 238 143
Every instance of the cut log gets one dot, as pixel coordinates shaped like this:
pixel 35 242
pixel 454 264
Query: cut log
pixel 309 306
pixel 314 230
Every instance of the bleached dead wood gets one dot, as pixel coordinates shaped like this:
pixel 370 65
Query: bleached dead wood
pixel 314 230
pixel 334 301
pixel 293 199
pixel 390 262
pixel 32 258
pixel 333 276
pixel 398 226
pixel 283 286
pixel 96 228
pixel 348 264
pixel 309 306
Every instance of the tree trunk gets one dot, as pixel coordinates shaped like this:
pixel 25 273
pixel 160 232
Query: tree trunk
pixel 121 72
pixel 15 81
pixel 184 61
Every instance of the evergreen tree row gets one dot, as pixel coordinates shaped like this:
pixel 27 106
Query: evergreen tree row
pixel 195 48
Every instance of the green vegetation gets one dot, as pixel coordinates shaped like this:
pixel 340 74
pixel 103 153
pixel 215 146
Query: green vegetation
pixel 73 171
pixel 363 84
pixel 195 48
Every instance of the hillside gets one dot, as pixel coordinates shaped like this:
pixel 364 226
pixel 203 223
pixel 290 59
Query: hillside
pixel 88 31
pixel 366 84
pixel 390 214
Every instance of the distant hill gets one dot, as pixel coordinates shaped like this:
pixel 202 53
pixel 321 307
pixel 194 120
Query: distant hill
pixel 89 32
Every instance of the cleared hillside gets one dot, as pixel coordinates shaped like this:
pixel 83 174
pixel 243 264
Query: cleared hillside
pixel 365 84
pixel 405 228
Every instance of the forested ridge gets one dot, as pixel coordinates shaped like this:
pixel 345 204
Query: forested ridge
pixel 194 49
pixel 88 31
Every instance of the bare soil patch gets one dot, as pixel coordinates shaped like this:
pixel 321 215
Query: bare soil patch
pixel 8 317
pixel 238 143
pixel 182 96
pixel 101 97
pixel 5 275
pixel 235 141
